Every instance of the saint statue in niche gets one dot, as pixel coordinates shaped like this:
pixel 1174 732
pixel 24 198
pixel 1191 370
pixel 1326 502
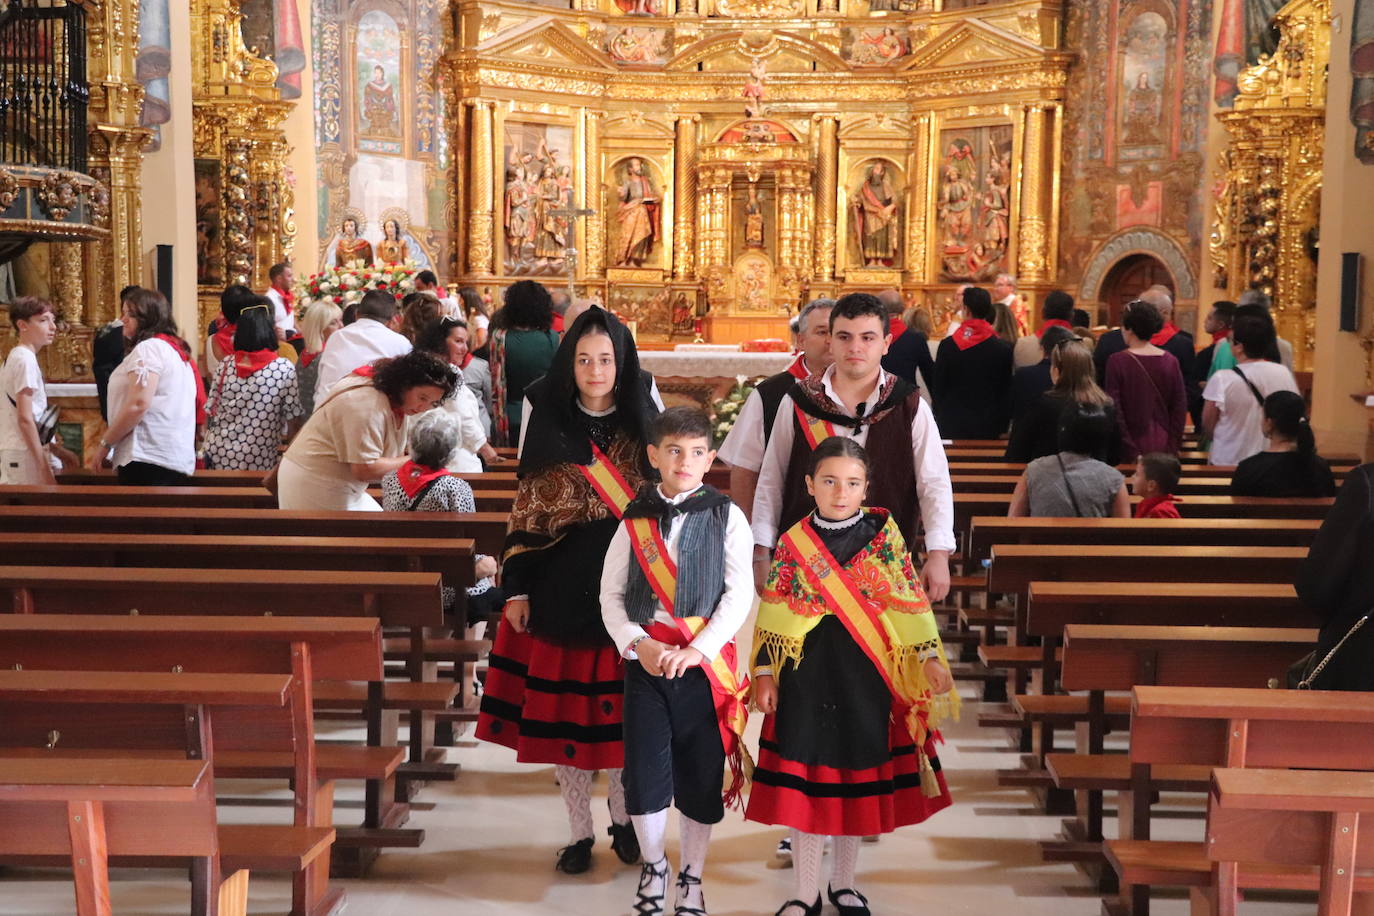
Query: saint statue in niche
pixel 350 246
pixel 875 217
pixel 753 220
pixel 392 249
pixel 379 105
pixel 753 88
pixel 996 213
pixel 517 216
pixel 550 231
pixel 637 217
pixel 956 206
pixel 536 187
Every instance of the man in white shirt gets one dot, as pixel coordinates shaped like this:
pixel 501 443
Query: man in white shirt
pixel 743 448
pixel 1004 293
pixel 427 282
pixel 283 299
pixel 909 475
pixel 1233 414
pixel 372 337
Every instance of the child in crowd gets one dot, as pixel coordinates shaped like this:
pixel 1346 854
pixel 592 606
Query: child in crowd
pixel 1156 477
pixel 675 625
pixel 27 453
pixel 1289 467
pixel 423 484
pixel 851 675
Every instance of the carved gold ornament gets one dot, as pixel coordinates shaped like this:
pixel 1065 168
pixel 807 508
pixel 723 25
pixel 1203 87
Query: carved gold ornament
pixel 58 195
pixel 9 189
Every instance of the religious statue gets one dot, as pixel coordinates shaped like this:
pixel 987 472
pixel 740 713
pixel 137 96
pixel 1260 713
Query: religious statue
pixel 956 206
pixel 996 213
pixel 753 88
pixel 392 249
pixel 536 187
pixel 516 220
pixel 875 47
pixel 753 220
pixel 550 231
pixel 634 45
pixel 379 105
pixel 754 288
pixel 637 217
pixel 639 7
pixel 875 217
pixel 350 247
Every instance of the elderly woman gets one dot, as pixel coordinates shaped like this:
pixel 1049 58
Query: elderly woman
pixel 447 338
pixel 253 399
pixel 356 435
pixel 156 400
pixel 320 320
pixel 424 484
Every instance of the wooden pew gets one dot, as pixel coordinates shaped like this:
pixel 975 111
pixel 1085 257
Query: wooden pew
pixel 1193 471
pixel 311 649
pixel 486 529
pixel 985 483
pixel 487 480
pixel 55 715
pixel 1225 727
pixel 188 497
pixel 1107 658
pixel 1286 824
pixel 1240 532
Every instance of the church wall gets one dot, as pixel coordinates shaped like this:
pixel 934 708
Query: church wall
pixel 1135 141
pixel 381 147
pixel 300 135
pixel 1342 367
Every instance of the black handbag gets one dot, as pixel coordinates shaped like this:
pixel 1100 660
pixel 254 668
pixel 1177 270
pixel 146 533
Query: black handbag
pixel 1303 672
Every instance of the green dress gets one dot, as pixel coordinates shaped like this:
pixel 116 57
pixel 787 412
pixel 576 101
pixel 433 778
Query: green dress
pixel 528 356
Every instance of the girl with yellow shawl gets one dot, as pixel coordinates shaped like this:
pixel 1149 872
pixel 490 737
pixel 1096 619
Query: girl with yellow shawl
pixel 852 678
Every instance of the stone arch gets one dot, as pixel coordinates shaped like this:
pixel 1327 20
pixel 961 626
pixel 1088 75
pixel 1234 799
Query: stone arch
pixel 1139 240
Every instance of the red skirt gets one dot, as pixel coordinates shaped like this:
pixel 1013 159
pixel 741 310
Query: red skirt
pixel 835 802
pixel 554 704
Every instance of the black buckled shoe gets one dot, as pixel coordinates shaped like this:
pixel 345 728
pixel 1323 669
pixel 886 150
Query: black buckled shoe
pixel 653 876
pixel 576 858
pixel 624 843
pixel 812 910
pixel 847 909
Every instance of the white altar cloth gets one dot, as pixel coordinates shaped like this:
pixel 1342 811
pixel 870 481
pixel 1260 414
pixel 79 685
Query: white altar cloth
pixel 713 364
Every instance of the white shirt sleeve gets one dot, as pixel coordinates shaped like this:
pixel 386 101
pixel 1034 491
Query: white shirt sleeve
pixel 614 576
pixel 933 487
pixel 653 393
pixel 1216 390
pixel 743 447
pixel 279 316
pixel 738 597
pixel 768 495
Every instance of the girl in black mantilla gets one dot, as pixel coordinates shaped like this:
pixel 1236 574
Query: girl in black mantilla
pixel 556 682
pixel 852 678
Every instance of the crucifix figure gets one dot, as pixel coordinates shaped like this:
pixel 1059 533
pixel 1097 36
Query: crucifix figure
pixel 570 215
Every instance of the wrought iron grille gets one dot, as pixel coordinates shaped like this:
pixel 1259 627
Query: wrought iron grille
pixel 43 88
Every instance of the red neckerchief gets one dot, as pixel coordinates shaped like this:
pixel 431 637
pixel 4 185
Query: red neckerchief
pixel 256 360
pixel 224 336
pixel 1157 507
pixel 1219 336
pixel 367 371
pixel 1165 335
pixel 798 368
pixel 415 477
pixel 308 358
pixel 973 332
pixel 467 358
pixel 185 354
pixel 896 327
pixel 288 299
pixel 1053 323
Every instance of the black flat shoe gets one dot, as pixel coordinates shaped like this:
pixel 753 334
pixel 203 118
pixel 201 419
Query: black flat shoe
pixel 845 908
pixel 575 859
pixel 812 910
pixel 624 843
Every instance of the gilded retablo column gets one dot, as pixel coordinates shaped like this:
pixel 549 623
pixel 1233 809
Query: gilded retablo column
pixel 1033 237
pixel 684 195
pixel 480 254
pixel 594 258
pixel 827 161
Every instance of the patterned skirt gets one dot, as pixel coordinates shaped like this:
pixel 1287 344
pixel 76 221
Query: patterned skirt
pixel 554 704
pixel 844 802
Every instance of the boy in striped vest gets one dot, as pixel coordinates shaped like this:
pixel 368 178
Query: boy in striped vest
pixel 676 587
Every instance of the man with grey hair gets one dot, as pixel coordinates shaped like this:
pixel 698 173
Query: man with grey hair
pixel 743 448
pixel 561 303
pixel 1171 338
pixel 1255 297
pixel 895 305
pixel 1004 294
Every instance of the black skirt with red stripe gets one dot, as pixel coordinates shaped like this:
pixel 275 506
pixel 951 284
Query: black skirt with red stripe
pixel 554 704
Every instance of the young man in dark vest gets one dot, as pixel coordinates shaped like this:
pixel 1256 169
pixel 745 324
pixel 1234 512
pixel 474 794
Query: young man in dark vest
pixel 743 448
pixel 885 414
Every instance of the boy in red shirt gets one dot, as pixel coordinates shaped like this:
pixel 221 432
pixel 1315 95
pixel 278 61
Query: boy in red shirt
pixel 1156 476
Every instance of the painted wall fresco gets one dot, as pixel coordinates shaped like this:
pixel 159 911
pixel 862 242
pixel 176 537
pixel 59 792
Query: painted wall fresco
pixel 382 150
pixel 1135 129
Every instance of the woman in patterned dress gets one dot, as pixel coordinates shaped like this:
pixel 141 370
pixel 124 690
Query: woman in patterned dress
pixel 555 684
pixel 253 400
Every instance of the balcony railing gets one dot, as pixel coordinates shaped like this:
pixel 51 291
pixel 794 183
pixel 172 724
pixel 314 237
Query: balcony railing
pixel 43 88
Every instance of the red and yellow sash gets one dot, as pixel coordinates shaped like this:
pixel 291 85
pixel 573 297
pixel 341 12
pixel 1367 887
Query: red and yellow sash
pixel 815 430
pixel 860 616
pixel 608 482
pixel 729 690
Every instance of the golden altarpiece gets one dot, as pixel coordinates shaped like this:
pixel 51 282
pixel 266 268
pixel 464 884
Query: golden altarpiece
pixel 743 156
pixel 1266 215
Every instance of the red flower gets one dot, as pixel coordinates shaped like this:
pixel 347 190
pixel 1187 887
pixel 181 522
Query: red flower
pixel 381 284
pixel 338 300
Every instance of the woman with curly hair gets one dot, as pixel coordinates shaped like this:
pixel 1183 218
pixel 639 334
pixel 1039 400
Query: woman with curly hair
pixel 357 434
pixel 522 349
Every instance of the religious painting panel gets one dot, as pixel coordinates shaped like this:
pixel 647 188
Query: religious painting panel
pixel 634 204
pixel 639 7
pixel 752 284
pixel 209 222
pixel 1143 122
pixel 648 310
pixel 639 44
pixel 973 202
pixel 875 46
pixel 376 78
pixel 874 192
pixel 538 184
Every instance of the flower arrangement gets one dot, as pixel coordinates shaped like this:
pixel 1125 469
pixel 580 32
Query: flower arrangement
pixel 725 412
pixel 345 286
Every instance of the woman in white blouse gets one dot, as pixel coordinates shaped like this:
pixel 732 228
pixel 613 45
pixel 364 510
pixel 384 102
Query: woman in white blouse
pixel 155 397
pixel 447 338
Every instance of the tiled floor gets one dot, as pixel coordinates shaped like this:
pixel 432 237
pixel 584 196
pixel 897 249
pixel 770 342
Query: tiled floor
pixel 491 838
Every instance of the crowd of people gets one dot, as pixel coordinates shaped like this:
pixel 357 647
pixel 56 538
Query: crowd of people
pixel 614 654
